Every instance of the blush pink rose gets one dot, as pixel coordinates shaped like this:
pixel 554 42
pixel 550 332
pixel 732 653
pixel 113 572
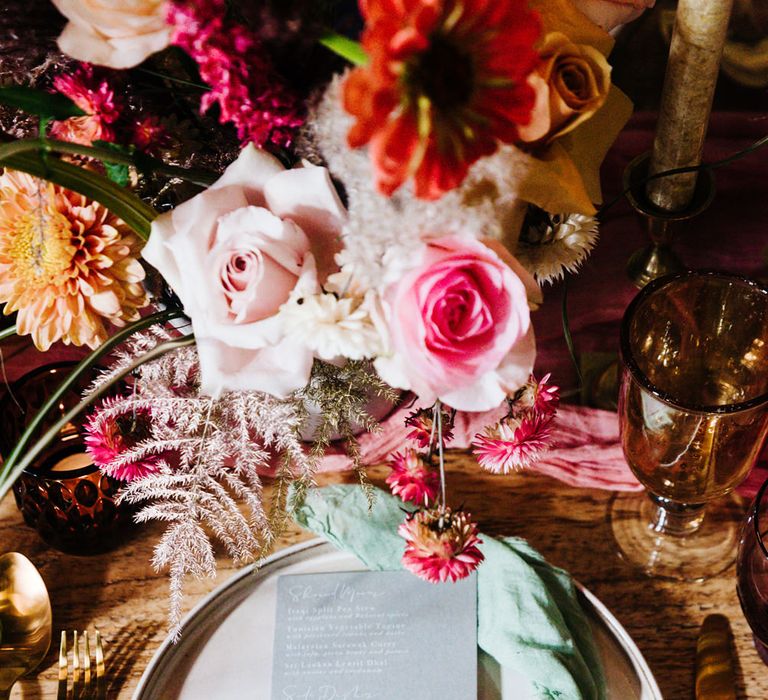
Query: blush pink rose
pixel 460 327
pixel 235 253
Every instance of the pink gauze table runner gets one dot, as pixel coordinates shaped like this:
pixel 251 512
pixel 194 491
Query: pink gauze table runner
pixel 586 451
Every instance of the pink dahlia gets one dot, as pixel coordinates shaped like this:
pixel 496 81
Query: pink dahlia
pixel 243 83
pixel 108 437
pixel 513 443
pixel 420 423
pixel 411 478
pixel 440 544
pixel 90 91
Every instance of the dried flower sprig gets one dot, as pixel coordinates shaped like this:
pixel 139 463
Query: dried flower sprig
pixel 422 426
pixel 441 544
pixel 522 435
pixel 218 446
pixel 412 478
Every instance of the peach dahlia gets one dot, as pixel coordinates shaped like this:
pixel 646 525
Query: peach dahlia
pixel 67 265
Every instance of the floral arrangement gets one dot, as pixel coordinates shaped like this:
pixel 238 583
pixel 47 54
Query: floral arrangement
pixel 340 221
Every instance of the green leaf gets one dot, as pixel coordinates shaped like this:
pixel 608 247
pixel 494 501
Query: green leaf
pixel 44 104
pixel 117 173
pixel 345 47
pixel 121 202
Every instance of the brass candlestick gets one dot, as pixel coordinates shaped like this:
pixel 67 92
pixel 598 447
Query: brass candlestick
pixel 689 85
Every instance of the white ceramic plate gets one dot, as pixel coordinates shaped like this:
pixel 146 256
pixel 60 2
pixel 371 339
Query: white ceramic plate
pixel 225 651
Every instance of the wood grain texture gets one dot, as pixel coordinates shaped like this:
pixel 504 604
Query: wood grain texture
pixel 121 595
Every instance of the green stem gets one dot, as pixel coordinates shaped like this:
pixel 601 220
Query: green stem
pixel 174 79
pixel 567 333
pixel 139 161
pixel 12 466
pixel 8 332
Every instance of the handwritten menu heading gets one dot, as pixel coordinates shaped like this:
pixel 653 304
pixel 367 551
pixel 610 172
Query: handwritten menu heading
pixel 383 635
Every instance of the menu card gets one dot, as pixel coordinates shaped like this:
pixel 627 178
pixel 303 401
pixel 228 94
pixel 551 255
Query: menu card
pixel 380 635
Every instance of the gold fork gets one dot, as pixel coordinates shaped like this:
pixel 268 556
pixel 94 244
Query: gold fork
pixel 88 682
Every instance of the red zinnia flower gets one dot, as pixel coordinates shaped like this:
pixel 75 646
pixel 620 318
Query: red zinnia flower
pixel 411 478
pixel 513 443
pixel 445 83
pixel 440 545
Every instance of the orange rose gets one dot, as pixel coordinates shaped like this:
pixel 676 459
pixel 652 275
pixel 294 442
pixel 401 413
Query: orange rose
pixel 571 84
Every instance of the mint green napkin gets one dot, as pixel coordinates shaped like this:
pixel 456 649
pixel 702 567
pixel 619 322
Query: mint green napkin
pixel 528 617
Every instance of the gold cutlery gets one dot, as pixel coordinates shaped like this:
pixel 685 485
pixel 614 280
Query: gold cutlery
pixel 25 619
pixel 88 680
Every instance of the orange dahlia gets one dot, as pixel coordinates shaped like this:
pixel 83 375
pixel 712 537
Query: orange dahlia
pixel 67 265
pixel 445 83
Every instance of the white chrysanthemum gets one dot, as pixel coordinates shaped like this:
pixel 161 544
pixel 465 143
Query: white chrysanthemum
pixel 334 327
pixel 382 234
pixel 562 248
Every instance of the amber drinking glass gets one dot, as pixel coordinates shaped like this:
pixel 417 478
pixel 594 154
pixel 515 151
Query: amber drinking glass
pixel 693 412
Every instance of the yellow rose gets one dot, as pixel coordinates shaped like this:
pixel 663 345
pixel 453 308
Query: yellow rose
pixel 114 33
pixel 571 84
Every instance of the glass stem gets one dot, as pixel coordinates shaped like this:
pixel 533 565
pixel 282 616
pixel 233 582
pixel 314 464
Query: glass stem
pixel 676 519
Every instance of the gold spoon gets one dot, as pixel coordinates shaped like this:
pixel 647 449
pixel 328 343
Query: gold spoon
pixel 25 619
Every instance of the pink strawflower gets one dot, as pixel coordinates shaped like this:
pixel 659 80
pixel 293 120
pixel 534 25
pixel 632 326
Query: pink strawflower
pixel 108 437
pixel 545 397
pixel 234 64
pixel 420 422
pixel 513 443
pixel 90 91
pixel 411 478
pixel 440 545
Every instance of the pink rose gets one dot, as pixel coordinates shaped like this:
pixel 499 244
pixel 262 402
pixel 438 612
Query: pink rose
pixel 114 33
pixel 609 14
pixel 235 253
pixel 460 326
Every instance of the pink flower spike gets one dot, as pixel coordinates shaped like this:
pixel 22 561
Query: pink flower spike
pixel 512 444
pixel 239 72
pixel 440 545
pixel 411 478
pixel 109 436
pixel 420 422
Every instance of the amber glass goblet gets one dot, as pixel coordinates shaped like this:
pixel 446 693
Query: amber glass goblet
pixel 693 413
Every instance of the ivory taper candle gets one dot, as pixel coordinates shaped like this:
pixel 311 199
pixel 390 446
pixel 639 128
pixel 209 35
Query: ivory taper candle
pixel 689 86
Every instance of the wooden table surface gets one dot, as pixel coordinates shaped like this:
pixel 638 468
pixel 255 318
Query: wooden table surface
pixel 122 596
